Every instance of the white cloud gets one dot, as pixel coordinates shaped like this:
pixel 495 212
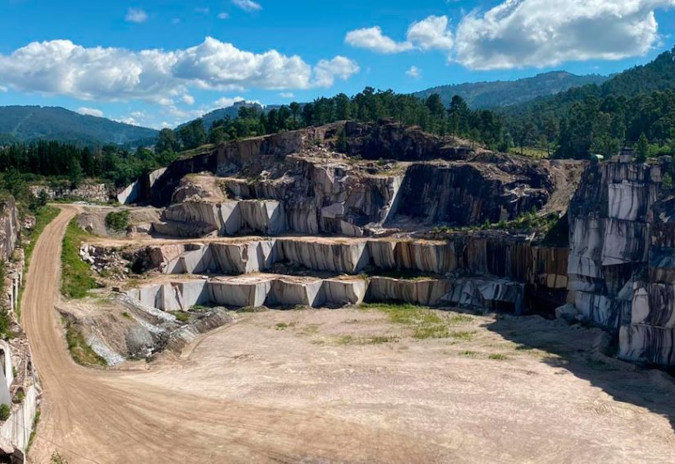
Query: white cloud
pixel 224 102
pixel 247 5
pixel 3 88
pixel 431 33
pixel 427 34
pixel 287 95
pixel 326 71
pixel 188 99
pixel 372 39
pixel 60 67
pixel 539 33
pixel 90 112
pixel 414 72
pixel 223 15
pixel 136 15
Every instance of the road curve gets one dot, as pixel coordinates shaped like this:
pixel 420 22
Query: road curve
pixel 99 416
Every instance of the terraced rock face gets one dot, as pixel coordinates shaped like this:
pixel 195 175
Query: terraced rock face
pixel 297 183
pixel 622 258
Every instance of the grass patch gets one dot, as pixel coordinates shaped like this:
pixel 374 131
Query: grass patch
pixel 126 315
pixel 181 316
pixel 81 352
pixel 458 319
pixel 76 279
pixel 33 433
pixel 469 354
pixel 430 332
pixel 375 340
pixel 284 326
pixel 498 357
pixel 465 336
pixel 426 324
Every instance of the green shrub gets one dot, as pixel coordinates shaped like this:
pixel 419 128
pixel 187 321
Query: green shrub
pixel 4 412
pixel 118 220
pixel 76 278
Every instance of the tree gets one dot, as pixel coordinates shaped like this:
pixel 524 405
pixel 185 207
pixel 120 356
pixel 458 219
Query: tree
pixel 167 142
pixel 525 135
pixel 193 134
pixel 642 149
pixel 296 109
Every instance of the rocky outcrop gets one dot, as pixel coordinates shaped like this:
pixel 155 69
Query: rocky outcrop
pixel 86 192
pixel 9 228
pixel 622 258
pixel 303 186
pixel 141 189
pixel 465 260
pixel 252 291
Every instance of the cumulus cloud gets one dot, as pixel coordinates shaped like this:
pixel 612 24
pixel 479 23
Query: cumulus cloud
pixel 431 33
pixel 223 15
pixel 60 67
pixel 427 34
pixel 90 112
pixel 326 71
pixel 287 95
pixel 374 40
pixel 414 72
pixel 136 15
pixel 537 33
pixel 247 5
pixel 519 33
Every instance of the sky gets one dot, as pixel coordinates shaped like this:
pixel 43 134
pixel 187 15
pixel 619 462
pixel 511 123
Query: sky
pixel 158 63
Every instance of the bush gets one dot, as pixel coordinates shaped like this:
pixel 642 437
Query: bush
pixel 118 220
pixel 4 412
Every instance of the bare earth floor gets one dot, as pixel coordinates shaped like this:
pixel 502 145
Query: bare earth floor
pixel 350 385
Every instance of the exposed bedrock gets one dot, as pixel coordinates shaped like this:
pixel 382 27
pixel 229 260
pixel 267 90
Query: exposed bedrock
pixel 419 180
pixel 539 272
pixel 285 291
pixel 253 291
pixel 470 193
pixel 622 258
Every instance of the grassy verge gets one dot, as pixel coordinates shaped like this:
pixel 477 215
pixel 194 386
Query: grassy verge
pixel 44 216
pixel 80 350
pixel 76 279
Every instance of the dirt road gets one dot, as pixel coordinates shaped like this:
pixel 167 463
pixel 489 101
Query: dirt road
pixel 107 417
pixel 345 386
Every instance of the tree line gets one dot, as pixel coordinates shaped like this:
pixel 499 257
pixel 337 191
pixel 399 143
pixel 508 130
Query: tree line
pixel 430 114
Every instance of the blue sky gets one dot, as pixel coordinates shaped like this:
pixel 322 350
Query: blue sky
pixel 158 62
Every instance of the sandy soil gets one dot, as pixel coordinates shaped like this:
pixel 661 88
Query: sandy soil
pixel 347 386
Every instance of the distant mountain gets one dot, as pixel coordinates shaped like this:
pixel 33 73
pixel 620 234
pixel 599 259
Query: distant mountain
pixel 506 93
pixel 222 113
pixel 28 123
pixel 657 75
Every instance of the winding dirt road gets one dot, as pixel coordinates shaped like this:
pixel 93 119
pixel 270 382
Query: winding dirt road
pixel 113 417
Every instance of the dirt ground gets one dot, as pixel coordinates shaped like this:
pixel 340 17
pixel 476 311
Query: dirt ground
pixel 349 386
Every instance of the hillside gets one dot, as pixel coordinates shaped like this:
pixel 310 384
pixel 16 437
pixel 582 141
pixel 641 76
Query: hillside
pixel 505 93
pixel 230 112
pixel 657 75
pixel 28 123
